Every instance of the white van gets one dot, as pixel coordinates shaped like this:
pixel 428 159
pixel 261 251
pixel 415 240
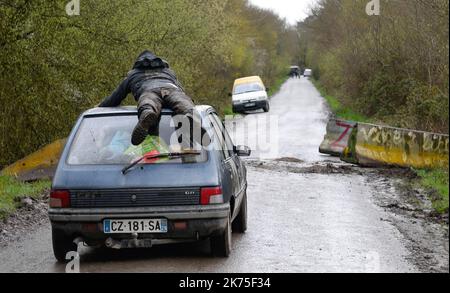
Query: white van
pixel 308 73
pixel 249 93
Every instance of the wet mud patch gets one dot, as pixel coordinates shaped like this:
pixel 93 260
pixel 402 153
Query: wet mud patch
pixel 289 160
pixel 297 166
pixel 406 207
pixel 410 210
pixel 31 214
pixel 410 197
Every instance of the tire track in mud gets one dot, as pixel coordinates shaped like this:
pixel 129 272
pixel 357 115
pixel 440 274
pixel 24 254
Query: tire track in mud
pixel 307 213
pixel 408 208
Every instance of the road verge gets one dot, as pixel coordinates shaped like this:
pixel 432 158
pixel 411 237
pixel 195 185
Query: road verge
pixel 15 194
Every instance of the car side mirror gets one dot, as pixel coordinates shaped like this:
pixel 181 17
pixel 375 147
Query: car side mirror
pixel 242 151
pixel 267 89
pixel 230 94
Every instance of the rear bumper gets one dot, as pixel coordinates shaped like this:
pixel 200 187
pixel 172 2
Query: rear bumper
pixel 201 221
pixel 249 106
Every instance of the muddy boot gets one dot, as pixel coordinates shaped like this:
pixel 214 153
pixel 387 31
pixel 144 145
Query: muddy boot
pixel 146 122
pixel 154 131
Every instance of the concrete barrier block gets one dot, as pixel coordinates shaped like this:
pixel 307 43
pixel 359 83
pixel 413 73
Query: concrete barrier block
pixel 374 145
pixel 39 165
pixel 336 139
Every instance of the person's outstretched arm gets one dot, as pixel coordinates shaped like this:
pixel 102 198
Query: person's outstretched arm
pixel 117 96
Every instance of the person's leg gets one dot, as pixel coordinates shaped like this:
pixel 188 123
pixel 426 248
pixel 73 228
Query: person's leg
pixel 182 104
pixel 149 111
pixel 178 101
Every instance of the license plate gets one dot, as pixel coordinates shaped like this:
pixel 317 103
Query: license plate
pixel 135 226
pixel 250 105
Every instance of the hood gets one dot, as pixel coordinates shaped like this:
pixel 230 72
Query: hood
pixel 259 95
pixel 148 60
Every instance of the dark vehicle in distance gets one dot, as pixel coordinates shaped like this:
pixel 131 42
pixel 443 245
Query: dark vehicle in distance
pixel 171 195
pixel 294 72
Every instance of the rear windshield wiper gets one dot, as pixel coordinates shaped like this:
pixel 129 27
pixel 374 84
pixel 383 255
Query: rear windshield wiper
pixel 159 156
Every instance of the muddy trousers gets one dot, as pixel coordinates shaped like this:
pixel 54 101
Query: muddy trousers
pixel 152 102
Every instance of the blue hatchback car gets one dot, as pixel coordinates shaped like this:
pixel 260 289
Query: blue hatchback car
pixel 105 193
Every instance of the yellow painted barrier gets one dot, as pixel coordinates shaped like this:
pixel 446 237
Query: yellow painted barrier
pixel 39 165
pixel 374 145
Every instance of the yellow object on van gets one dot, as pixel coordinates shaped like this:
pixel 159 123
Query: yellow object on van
pixel 249 93
pixel 249 79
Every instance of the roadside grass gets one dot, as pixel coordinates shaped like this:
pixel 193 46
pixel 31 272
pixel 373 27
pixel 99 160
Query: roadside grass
pixel 228 111
pixel 436 180
pixel 12 191
pixel 276 86
pixel 337 108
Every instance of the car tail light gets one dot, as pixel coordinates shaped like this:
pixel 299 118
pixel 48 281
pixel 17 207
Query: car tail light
pixel 211 195
pixel 59 199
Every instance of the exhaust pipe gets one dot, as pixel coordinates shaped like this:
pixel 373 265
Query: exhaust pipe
pixel 128 243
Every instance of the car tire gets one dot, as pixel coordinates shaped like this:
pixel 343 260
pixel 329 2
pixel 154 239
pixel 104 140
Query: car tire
pixel 240 223
pixel 62 244
pixel 266 107
pixel 221 244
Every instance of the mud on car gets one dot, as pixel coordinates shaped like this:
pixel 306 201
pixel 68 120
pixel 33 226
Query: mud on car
pixel 107 192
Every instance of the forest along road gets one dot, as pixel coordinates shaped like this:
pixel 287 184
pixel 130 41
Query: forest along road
pixel 307 213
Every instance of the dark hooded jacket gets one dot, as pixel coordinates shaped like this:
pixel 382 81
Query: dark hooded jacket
pixel 149 72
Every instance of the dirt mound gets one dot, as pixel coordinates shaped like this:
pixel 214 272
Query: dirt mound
pixel 32 213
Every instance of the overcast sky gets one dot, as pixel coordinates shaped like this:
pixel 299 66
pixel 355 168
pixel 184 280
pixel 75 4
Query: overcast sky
pixel 292 10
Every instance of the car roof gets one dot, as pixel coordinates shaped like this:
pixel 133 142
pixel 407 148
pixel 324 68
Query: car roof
pixel 130 110
pixel 247 80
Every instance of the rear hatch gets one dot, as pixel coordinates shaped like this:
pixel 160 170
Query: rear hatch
pixel 91 166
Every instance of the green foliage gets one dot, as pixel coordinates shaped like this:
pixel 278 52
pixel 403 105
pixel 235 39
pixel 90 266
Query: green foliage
pixel 337 108
pixel 437 180
pixel 11 192
pixel 228 111
pixel 54 66
pixel 276 86
pixel 393 67
pixel 428 103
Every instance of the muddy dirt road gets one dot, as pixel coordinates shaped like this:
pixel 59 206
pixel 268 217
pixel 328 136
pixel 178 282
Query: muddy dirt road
pixel 307 213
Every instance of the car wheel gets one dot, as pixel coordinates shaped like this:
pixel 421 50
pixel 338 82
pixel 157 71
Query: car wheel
pixel 62 244
pixel 267 107
pixel 221 244
pixel 240 223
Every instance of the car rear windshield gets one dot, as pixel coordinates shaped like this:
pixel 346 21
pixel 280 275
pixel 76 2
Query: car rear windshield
pixel 107 141
pixel 247 88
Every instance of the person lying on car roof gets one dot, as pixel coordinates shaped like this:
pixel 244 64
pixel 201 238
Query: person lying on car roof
pixel 154 86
